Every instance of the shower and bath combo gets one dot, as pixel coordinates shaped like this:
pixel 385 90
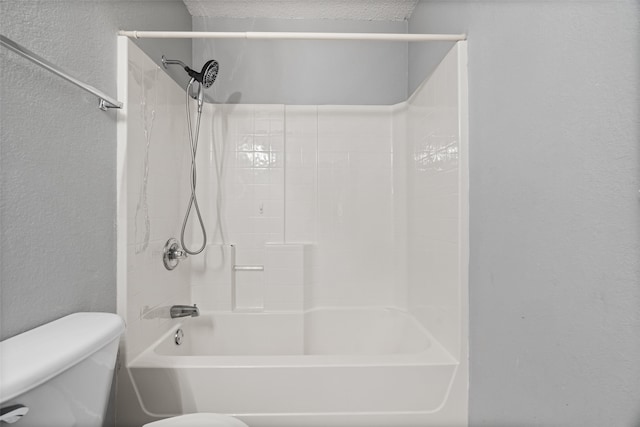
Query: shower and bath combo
pixel 400 347
pixel 205 79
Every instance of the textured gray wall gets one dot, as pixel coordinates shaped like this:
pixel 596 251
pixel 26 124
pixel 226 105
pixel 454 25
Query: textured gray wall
pixel 555 212
pixel 58 154
pixel 304 72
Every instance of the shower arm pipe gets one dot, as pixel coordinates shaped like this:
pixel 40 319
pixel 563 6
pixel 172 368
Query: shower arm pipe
pixel 251 35
pixel 105 102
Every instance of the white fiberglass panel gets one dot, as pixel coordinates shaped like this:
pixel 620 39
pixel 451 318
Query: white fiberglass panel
pixel 436 202
pixel 153 181
pixel 355 242
pixel 363 331
pixel 316 332
pixel 321 176
pixel 301 181
pixel 237 334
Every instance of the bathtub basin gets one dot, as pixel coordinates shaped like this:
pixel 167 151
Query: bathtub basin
pixel 278 368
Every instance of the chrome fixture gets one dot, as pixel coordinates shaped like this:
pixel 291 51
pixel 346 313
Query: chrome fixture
pixel 172 254
pixel 13 413
pixel 184 311
pixel 205 79
pixel 248 267
pixel 179 337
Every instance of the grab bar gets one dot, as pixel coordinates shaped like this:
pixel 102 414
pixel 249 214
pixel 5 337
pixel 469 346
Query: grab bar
pixel 248 268
pixel 105 102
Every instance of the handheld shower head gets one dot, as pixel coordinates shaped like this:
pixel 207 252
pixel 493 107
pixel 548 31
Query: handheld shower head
pixel 206 77
pixel 209 73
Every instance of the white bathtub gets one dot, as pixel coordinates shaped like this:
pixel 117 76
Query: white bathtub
pixel 326 367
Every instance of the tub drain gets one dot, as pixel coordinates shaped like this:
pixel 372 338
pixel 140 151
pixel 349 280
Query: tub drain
pixel 179 337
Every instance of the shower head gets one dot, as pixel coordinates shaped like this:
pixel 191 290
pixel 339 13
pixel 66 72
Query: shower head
pixel 208 74
pixel 206 77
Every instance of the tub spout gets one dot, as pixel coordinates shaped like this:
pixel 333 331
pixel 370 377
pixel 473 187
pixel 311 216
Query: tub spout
pixel 184 311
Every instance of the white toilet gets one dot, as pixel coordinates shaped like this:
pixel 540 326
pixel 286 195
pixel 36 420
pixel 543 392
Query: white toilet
pixel 59 374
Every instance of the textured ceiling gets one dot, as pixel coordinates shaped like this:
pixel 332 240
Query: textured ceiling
pixel 367 10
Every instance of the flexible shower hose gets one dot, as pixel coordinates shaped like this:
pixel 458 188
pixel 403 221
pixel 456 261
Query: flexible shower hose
pixel 193 201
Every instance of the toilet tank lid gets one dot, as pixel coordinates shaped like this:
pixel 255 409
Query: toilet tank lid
pixel 33 357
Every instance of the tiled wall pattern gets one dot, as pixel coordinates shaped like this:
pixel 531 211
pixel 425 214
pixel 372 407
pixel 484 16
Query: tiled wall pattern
pixel 245 213
pixel 253 165
pixel 307 176
pixel 433 203
pixel 154 171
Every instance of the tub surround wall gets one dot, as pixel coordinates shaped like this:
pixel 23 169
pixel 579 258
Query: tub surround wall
pixel 301 185
pixel 355 213
pixel 311 186
pixel 222 280
pixel 310 213
pixel 399 128
pixel 437 188
pixel 153 173
pixel 346 183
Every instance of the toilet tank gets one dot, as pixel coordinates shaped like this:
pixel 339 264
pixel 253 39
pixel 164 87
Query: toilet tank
pixel 60 371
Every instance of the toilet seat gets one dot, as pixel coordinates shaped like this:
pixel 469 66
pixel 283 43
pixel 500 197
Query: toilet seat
pixel 203 419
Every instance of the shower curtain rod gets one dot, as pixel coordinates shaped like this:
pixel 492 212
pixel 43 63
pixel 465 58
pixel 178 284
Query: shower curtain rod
pixel 292 36
pixel 104 102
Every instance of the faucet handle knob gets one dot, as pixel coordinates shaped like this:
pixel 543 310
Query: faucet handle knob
pixel 172 254
pixel 178 254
